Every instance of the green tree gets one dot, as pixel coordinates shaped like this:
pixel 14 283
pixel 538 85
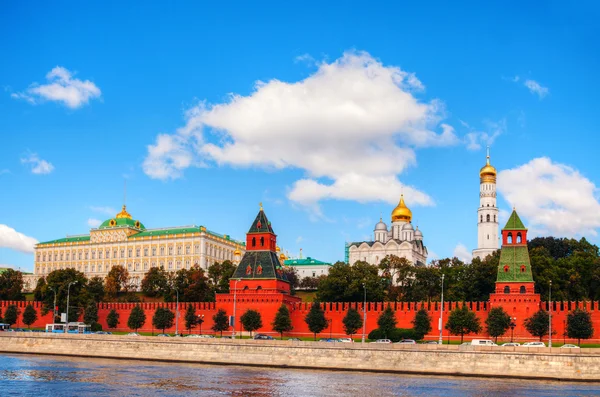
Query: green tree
pixel 137 318
pixel 90 315
pixel 219 275
pixel 220 322
pixel 315 319
pixel 579 325
pixel 463 321
pixel 112 320
pixel 421 323
pixel 163 318
pixel 344 283
pixel 11 285
pixel 11 315
pixel 117 281
pixel 537 324
pixel 1 315
pixel 29 315
pixel 40 290
pixel 352 322
pixel 95 289
pixel 155 282
pixel 282 322
pixel 191 319
pixel 293 278
pixel 387 321
pixel 192 285
pixel 59 280
pixel 251 321
pixel 497 322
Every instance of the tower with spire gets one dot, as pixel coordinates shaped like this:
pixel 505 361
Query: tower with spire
pixel 487 213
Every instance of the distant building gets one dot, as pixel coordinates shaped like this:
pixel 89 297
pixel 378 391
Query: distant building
pixel 401 240
pixel 308 267
pixel 487 213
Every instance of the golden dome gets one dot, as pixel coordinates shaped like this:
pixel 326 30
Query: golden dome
pixel 487 174
pixel 278 249
pixel 401 213
pixel 282 257
pixel 237 252
pixel 123 214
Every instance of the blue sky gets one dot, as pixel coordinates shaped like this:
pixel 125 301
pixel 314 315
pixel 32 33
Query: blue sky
pixel 324 114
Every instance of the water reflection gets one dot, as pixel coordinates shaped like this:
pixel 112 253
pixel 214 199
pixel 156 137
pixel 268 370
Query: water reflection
pixel 52 376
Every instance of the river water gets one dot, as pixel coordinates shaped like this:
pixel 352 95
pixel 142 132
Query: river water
pixel 22 375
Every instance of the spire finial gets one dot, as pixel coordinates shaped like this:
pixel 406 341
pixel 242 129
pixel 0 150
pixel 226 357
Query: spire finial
pixel 260 204
pixel 488 155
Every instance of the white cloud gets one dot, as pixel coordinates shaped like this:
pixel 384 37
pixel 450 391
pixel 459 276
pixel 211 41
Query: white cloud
pixel 60 87
pixel 38 166
pixel 93 223
pixel 554 198
pixel 4 171
pixel 299 239
pixel 536 88
pixel 10 238
pixel 104 210
pixel 474 140
pixel 462 253
pixel 353 126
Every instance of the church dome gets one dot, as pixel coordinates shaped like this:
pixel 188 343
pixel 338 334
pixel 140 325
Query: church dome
pixel 237 252
pixel 123 218
pixel 401 213
pixel 487 174
pixel 418 233
pixel 381 225
pixel 407 226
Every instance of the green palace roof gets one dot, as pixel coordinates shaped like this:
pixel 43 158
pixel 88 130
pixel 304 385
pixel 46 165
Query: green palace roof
pixel 305 262
pixel 71 239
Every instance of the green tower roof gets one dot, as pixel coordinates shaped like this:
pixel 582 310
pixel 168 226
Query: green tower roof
pixel 514 222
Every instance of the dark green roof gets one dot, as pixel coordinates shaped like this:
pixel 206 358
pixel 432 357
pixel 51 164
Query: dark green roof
pixel 261 224
pixel 514 222
pixel 166 231
pixel 514 264
pixel 305 262
pixel 72 239
pixel 259 265
pixel 120 222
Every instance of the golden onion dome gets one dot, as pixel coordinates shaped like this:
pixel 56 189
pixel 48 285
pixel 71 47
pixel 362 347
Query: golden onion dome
pixel 401 213
pixel 123 214
pixel 487 174
pixel 237 252
pixel 282 257
pixel 278 249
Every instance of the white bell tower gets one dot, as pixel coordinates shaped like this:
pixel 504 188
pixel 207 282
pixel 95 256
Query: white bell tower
pixel 487 214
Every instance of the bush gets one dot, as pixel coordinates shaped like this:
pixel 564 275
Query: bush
pixel 96 327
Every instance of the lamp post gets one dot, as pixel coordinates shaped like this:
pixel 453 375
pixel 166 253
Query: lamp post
pixel 177 313
pixel 200 321
pixel 550 315
pixel 330 327
pixel 68 294
pixel 441 312
pixel 54 308
pixel 513 324
pixel 564 331
pixel 234 302
pixel 364 314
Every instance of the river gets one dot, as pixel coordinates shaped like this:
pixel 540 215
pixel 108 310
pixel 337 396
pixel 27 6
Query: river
pixel 40 376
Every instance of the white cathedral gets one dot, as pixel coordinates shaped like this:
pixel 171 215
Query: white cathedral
pixel 401 240
pixel 487 213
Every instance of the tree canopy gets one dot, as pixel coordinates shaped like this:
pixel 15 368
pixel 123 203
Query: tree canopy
pixel 282 322
pixel 579 325
pixel 11 285
pixel 463 321
pixel 251 321
pixel 29 315
pixel 386 323
pixel 112 320
pixel 421 323
pixel 344 283
pixel 163 318
pixel 219 274
pixel 352 321
pixel 315 319
pixel 537 324
pixel 220 322
pixel 137 318
pixel 497 322
pixel 155 282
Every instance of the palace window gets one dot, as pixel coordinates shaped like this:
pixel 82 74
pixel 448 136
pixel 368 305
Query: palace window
pixel 197 248
pixel 153 251
pixel 170 265
pixel 93 254
pixel 86 268
pixel 137 252
pixel 145 251
pixel 187 264
pixel 145 266
pixel 38 257
pixel 93 268
pixel 99 254
pixel 187 250
pixel 108 254
pixel 61 256
pixel 67 256
pixel 162 251
pixel 79 255
pixel 129 266
pixel 129 252
pixel 179 250
pixel 99 268
pixel 136 267
pixel 171 250
pixel 178 264
pixel 87 255
pixel 122 253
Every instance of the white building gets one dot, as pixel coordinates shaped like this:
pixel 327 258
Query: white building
pixel 308 267
pixel 487 213
pixel 401 239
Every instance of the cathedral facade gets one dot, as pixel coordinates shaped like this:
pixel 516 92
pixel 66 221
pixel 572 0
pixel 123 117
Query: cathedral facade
pixel 400 239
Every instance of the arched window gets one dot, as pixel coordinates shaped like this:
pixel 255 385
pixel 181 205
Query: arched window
pixel 487 217
pixel 258 288
pixel 522 289
pixel 519 238
pixel 254 241
pixel 523 268
pixel 509 238
pixel 506 269
pixel 507 290
pixel 481 218
pixel 494 218
pixel 262 241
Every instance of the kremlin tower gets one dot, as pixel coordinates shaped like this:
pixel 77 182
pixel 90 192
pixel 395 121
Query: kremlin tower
pixel 487 213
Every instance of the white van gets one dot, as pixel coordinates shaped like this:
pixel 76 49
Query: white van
pixel 482 342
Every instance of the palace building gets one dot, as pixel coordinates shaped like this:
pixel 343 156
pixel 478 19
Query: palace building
pixel 124 241
pixel 487 213
pixel 401 240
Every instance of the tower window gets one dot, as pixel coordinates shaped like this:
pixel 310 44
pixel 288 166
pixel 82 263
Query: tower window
pixel 509 238
pixel 481 218
pixel 488 236
pixel 487 217
pixel 519 238
pixel 523 268
pixel 254 241
pixel 507 290
pixel 522 289
pixel 494 218
pixel 262 241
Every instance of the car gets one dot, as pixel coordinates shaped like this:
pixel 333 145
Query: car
pixel 193 336
pixel 382 341
pixel 483 342
pixel 430 342
pixel 534 344
pixel 511 344
pixel 294 339
pixel 101 333
pixel 345 340
pixel 262 337
pixel 164 335
pixel 407 342
pixel 327 340
pixel 569 346
pixel 466 344
pixel 228 337
pixel 207 336
pixel 133 334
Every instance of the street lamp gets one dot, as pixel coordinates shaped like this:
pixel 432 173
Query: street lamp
pixel 364 314
pixel 54 308
pixel 234 302
pixel 441 312
pixel 177 313
pixel 200 321
pixel 68 293
pixel 513 324
pixel 550 315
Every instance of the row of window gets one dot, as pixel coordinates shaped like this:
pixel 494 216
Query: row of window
pixel 487 218
pixel 131 267
pixel 217 252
